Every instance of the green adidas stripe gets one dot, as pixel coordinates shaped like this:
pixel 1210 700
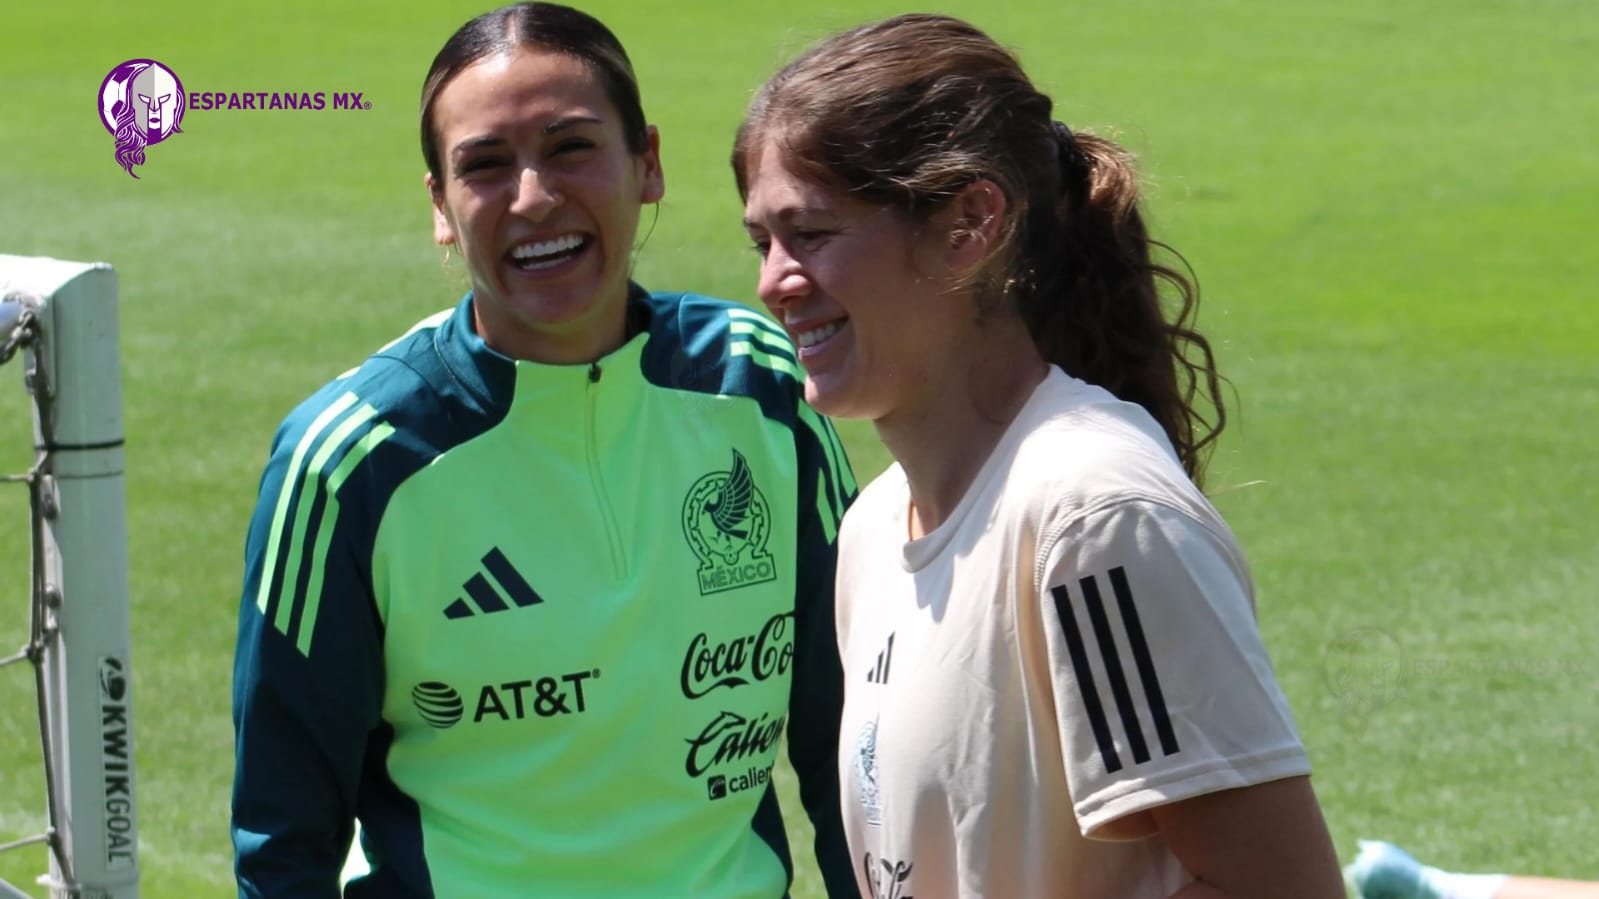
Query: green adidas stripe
pixel 824 514
pixel 302 514
pixel 290 478
pixel 743 318
pixel 756 326
pixel 843 471
pixel 763 339
pixel 828 510
pixel 771 337
pixel 744 346
pixel 324 535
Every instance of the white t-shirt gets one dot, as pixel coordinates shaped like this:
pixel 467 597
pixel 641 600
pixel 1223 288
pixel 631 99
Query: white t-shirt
pixel 1076 643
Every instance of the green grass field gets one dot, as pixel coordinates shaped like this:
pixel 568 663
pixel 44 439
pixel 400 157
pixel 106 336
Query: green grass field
pixel 1388 203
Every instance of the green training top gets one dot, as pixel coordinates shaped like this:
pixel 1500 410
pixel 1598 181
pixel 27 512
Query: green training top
pixel 541 627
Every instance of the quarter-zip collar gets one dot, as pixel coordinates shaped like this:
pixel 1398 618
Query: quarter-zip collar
pixel 491 377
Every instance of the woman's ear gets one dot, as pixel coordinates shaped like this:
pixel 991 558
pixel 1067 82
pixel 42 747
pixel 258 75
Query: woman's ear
pixel 652 183
pixel 443 231
pixel 979 214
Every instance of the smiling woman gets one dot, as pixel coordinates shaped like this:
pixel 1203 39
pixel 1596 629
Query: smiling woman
pixel 532 593
pixel 540 188
pixel 1055 685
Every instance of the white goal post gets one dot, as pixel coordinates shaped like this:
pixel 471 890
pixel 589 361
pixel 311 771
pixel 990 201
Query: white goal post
pixel 59 320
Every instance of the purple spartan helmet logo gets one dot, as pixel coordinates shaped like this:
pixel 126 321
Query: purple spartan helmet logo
pixel 141 103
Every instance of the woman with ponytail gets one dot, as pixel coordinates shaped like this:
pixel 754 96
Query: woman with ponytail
pixel 1054 682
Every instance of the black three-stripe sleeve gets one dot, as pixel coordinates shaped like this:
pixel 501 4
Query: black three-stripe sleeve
pixel 1161 684
pixel 1105 650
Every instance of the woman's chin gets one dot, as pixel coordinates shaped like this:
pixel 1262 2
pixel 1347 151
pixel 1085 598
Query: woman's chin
pixel 833 396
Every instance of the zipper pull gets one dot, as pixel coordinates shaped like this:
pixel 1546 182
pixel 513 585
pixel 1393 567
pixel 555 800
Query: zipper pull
pixel 594 372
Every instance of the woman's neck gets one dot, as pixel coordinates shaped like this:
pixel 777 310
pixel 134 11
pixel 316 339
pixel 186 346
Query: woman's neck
pixel 950 429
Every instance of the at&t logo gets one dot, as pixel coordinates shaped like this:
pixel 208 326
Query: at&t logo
pixel 437 703
pixel 442 707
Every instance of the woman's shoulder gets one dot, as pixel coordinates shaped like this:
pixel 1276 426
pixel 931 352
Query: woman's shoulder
pixel 697 320
pixel 412 383
pixel 705 344
pixel 1085 450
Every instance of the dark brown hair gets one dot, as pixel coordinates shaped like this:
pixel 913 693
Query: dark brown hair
pixel 545 25
pixel 908 111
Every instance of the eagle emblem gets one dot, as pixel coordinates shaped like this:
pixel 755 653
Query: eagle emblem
pixel 727 524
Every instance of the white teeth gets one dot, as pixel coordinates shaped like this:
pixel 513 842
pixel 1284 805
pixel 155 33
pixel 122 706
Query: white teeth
pixel 528 251
pixel 812 338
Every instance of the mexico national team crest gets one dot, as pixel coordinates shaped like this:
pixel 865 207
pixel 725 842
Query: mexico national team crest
pixel 727 523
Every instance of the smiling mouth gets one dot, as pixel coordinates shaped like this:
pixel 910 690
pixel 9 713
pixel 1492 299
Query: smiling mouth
pixel 808 339
pixel 542 254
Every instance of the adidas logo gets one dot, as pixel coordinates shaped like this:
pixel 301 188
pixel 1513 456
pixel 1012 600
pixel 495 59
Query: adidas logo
pixel 879 674
pixel 485 599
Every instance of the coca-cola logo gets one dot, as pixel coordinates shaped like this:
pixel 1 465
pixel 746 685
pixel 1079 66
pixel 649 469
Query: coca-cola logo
pixel 730 737
pixel 736 662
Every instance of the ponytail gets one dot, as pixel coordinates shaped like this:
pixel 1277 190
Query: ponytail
pixel 1094 307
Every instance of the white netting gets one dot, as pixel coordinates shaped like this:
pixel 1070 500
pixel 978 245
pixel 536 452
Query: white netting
pixel 19 328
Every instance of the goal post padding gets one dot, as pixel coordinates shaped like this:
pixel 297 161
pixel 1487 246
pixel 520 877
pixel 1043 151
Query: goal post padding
pixel 74 375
